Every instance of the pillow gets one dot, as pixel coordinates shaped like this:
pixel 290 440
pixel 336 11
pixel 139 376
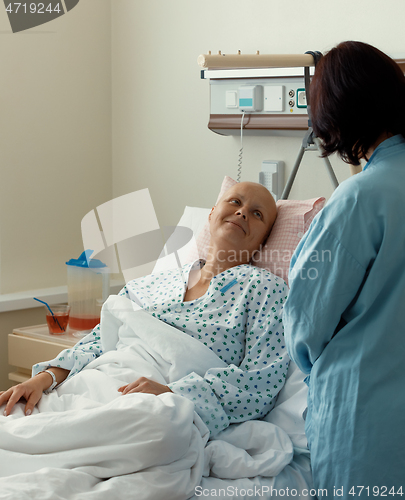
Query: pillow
pixel 193 218
pixel 293 220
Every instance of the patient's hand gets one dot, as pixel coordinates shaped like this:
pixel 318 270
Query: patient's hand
pixel 31 391
pixel 145 385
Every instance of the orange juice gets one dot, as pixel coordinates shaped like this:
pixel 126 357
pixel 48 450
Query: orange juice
pixel 83 322
pixel 57 323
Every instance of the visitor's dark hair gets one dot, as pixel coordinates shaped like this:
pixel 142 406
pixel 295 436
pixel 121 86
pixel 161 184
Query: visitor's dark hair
pixel 356 94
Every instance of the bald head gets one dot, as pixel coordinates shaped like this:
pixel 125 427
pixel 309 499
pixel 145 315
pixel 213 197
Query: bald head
pixel 253 187
pixel 248 205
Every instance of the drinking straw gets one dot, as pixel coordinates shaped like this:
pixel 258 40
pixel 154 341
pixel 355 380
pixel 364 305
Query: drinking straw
pixel 50 310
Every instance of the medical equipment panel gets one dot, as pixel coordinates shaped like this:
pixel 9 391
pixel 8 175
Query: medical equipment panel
pixel 271 95
pixel 269 88
pixel 275 103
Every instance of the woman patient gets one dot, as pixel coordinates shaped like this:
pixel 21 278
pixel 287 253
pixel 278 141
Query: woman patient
pixel 229 305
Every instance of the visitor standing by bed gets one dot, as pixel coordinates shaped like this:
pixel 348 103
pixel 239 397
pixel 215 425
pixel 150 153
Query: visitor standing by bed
pixel 345 313
pixel 232 307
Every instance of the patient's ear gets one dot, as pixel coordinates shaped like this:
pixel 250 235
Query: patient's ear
pixel 212 209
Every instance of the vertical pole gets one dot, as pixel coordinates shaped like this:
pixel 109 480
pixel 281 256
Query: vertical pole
pixel 290 181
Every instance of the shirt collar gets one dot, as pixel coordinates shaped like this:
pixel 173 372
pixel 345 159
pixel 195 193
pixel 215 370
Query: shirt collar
pixel 388 143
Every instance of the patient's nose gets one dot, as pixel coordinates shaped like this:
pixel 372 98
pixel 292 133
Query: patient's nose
pixel 241 212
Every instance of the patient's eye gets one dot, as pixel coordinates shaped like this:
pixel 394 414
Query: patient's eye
pixel 258 214
pixel 235 200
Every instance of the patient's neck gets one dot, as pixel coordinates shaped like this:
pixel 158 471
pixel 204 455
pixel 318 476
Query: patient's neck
pixel 217 262
pixel 220 260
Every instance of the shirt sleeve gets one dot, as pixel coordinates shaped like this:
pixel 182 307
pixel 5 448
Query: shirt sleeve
pixel 238 393
pixel 77 357
pixel 324 279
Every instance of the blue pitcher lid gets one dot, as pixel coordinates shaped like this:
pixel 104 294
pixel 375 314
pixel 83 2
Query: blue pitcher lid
pixel 85 261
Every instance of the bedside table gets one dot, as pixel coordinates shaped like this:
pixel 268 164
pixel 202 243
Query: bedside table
pixel 32 344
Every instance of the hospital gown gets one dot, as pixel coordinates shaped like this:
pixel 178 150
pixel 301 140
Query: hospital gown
pixel 238 318
pixel 345 327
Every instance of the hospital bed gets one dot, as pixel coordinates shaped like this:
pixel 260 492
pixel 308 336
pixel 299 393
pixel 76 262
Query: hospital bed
pixel 255 458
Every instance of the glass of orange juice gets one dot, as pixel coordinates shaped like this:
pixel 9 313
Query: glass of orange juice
pixel 58 322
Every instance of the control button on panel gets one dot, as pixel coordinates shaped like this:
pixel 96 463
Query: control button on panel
pixel 301 98
pixel 231 98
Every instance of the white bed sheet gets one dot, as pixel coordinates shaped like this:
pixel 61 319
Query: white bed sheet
pixel 99 444
pixel 296 477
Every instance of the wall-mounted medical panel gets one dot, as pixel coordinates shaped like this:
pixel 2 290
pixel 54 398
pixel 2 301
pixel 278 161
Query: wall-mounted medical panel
pixel 269 104
pixel 272 100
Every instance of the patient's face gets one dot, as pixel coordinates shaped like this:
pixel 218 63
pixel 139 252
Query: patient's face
pixel 242 218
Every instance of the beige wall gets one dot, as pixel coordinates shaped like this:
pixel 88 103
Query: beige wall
pixel 161 107
pixel 55 141
pixel 55 148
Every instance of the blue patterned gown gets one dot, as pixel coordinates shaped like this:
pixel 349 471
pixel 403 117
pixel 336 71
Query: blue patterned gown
pixel 238 318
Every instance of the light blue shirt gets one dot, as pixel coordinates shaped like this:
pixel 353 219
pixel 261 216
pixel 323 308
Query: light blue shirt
pixel 345 326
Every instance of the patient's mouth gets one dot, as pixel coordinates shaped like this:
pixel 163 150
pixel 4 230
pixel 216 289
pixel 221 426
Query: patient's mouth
pixel 236 224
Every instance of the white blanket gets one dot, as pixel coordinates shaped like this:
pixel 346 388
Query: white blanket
pixel 85 440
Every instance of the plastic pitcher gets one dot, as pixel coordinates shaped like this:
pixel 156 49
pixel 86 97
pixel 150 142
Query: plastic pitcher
pixel 88 282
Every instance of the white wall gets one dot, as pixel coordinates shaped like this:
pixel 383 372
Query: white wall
pixel 55 141
pixel 55 149
pixel 161 107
